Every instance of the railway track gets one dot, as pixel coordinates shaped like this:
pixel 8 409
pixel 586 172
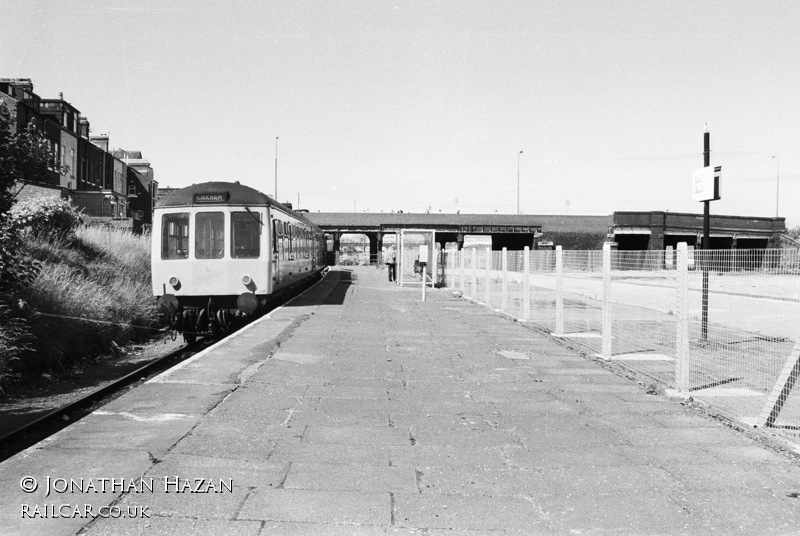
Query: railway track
pixel 44 426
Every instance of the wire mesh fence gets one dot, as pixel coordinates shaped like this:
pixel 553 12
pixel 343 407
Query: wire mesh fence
pixel 718 325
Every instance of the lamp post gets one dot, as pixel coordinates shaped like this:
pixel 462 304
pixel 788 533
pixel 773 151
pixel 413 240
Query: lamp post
pixel 276 168
pixel 706 239
pixel 777 184
pixel 518 155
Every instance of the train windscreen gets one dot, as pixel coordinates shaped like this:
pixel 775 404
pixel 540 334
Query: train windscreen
pixel 245 235
pixel 175 236
pixel 209 235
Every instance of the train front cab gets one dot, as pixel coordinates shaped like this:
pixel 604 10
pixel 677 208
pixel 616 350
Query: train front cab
pixel 211 259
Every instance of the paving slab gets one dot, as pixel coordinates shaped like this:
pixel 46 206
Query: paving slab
pixel 634 512
pixel 350 477
pixel 523 513
pixel 347 454
pixel 54 468
pixel 124 431
pixel 318 506
pixel 169 526
pixel 234 439
pixel 465 454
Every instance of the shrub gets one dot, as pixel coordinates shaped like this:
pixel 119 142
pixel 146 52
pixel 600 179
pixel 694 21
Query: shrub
pixel 45 216
pixel 14 339
pixel 15 268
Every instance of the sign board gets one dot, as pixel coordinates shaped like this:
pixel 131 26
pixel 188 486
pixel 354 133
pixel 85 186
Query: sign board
pixel 705 183
pixel 215 197
pixel 423 253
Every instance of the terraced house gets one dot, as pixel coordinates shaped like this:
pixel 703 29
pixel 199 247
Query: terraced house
pixel 111 186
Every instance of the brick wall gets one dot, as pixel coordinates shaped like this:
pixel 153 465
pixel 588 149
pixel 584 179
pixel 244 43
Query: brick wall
pixel 38 191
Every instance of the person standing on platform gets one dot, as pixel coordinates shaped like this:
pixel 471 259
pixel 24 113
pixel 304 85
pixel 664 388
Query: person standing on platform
pixel 391 263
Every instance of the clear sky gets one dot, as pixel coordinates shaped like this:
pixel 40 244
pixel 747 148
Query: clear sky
pixel 385 106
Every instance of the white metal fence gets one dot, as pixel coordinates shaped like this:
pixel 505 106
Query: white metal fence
pixel 738 351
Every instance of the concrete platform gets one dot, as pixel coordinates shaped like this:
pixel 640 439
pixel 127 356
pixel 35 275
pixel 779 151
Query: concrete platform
pixel 358 409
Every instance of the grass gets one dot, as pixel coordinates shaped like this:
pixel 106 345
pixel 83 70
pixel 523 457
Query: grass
pixel 14 339
pixel 93 289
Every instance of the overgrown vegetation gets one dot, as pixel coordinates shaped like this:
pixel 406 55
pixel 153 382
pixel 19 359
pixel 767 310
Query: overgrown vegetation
pixel 25 155
pixel 47 216
pixel 92 288
pixel 66 292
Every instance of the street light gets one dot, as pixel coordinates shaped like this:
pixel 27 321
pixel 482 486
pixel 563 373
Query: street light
pixel 777 184
pixel 518 155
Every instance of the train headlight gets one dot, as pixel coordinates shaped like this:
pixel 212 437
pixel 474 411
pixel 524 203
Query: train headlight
pixel 174 281
pixel 246 280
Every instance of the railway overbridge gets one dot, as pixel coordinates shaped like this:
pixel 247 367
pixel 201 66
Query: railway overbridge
pixel 511 231
pixel 657 230
pixel 630 230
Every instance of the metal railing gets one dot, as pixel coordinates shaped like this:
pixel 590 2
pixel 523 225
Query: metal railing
pixel 733 345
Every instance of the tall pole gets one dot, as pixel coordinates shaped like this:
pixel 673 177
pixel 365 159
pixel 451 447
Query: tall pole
pixel 706 237
pixel 276 168
pixel 777 185
pixel 518 155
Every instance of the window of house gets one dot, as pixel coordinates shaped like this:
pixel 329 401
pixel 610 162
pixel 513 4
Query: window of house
pixel 209 235
pixel 175 236
pixel 245 235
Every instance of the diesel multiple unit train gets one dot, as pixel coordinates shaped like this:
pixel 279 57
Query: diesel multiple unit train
pixel 222 250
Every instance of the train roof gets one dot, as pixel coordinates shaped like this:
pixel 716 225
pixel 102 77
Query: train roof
pixel 222 193
pixel 215 193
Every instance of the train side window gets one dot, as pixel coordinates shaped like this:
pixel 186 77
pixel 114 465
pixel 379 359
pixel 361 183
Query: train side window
pixel 175 236
pixel 245 235
pixel 209 235
pixel 275 239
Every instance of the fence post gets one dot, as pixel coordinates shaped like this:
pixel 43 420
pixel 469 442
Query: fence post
pixel 559 290
pixel 424 277
pixel 474 283
pixel 682 314
pixel 487 293
pixel 526 282
pixel 504 288
pixel 461 285
pixel 449 280
pixel 606 351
